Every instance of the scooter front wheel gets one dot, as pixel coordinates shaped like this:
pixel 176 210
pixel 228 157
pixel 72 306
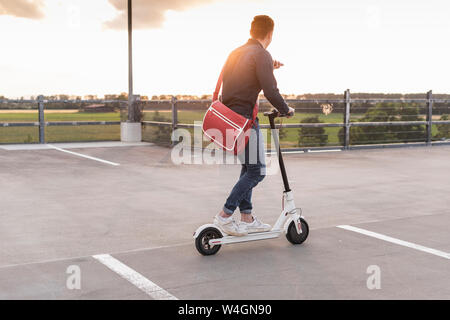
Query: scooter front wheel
pixel 202 241
pixel 292 235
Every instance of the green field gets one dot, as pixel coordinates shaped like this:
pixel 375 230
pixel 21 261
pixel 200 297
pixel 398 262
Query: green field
pixel 112 132
pixel 60 133
pixel 77 116
pixel 291 139
pixel 191 116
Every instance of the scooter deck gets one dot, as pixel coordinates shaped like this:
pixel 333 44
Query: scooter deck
pixel 250 237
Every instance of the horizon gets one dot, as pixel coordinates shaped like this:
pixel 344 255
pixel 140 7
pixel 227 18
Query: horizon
pixel 81 47
pixel 124 96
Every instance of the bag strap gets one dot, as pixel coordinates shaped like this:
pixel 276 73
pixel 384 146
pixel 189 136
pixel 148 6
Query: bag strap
pixel 219 86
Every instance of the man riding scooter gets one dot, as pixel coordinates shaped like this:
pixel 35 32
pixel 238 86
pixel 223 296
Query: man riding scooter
pixel 247 71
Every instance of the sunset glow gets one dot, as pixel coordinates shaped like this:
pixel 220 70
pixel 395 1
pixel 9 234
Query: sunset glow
pixel 326 46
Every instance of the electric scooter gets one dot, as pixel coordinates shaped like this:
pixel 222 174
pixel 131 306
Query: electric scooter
pixel 209 238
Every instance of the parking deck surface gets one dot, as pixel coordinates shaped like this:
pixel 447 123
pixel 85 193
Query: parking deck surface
pixel 63 205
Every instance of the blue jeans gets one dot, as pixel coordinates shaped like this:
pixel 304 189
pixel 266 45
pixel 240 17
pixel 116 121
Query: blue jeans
pixel 253 171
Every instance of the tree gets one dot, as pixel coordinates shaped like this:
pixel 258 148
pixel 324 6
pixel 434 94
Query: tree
pixel 443 129
pixel 161 134
pixel 111 96
pixel 281 131
pixel 313 136
pixel 387 112
pixel 123 96
pixel 413 132
pixel 63 97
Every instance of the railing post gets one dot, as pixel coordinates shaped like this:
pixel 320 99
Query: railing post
pixel 174 115
pixel 429 116
pixel 347 119
pixel 136 106
pixel 131 130
pixel 41 119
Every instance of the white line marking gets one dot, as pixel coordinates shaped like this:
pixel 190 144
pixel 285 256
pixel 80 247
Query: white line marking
pixel 397 241
pixel 84 156
pixel 301 151
pixel 150 288
pixel 331 150
pixel 291 152
pixel 72 145
pixel 284 152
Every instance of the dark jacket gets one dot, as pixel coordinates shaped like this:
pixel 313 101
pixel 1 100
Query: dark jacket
pixel 249 69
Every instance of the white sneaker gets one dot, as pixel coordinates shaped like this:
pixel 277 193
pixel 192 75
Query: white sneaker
pixel 255 226
pixel 229 226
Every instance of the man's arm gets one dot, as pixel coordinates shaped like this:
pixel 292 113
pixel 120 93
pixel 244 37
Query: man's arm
pixel 266 78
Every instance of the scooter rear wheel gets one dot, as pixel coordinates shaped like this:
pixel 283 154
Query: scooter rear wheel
pixel 202 241
pixel 292 235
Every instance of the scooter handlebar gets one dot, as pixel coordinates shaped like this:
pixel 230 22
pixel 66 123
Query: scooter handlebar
pixel 275 114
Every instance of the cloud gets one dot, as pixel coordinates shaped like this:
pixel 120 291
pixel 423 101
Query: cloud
pixel 31 9
pixel 148 14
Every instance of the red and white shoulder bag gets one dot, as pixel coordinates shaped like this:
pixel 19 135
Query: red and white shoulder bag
pixel 226 128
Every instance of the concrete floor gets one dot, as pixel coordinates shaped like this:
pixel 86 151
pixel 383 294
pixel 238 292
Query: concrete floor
pixel 59 209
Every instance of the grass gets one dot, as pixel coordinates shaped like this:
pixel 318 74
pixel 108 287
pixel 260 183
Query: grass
pixel 112 132
pixel 60 133
pixel 291 139
pixel 19 134
pixel 186 116
pixel 77 116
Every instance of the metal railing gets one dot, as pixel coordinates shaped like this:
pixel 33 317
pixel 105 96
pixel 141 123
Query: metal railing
pixel 42 124
pixel 173 124
pixel 346 124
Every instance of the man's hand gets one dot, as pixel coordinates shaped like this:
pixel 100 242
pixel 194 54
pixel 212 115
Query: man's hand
pixel 277 64
pixel 291 112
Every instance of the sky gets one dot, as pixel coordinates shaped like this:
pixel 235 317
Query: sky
pixel 80 46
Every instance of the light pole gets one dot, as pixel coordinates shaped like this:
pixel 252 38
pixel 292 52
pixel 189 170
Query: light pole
pixel 131 130
pixel 130 62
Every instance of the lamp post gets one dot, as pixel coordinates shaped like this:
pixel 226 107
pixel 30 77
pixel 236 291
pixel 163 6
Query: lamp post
pixel 131 131
pixel 130 62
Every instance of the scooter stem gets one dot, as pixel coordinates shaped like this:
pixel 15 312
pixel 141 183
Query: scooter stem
pixel 280 156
